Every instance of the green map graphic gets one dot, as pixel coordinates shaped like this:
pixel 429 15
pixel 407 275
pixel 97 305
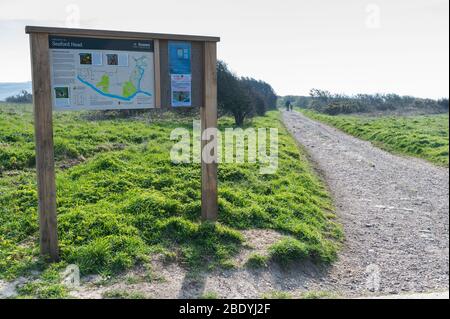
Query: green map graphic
pixel 126 90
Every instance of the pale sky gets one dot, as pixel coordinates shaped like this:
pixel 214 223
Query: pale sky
pixel 345 46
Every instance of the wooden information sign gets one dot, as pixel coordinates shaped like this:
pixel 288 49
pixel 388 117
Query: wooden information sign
pixel 78 69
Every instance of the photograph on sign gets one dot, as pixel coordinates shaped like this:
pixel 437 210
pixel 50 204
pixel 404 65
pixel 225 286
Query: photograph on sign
pixel 180 73
pixel 101 74
pixel 181 89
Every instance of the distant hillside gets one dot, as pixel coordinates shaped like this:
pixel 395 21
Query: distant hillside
pixel 9 89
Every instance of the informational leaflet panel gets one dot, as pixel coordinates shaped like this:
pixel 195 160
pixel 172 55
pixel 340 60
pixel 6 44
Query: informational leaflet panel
pixel 180 73
pixel 101 74
pixel 181 89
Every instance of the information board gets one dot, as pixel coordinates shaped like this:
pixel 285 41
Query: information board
pixel 80 69
pixel 98 73
pixel 180 73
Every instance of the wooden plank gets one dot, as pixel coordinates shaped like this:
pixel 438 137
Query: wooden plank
pixel 208 115
pixel 157 64
pixel 118 34
pixel 45 164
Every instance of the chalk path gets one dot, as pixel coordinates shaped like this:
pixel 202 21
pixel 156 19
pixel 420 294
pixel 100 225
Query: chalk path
pixel 394 209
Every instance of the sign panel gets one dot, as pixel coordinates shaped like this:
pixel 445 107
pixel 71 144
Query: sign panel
pixel 100 74
pixel 180 73
pixel 181 90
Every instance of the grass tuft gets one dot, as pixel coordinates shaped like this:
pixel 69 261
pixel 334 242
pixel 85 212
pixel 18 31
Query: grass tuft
pixel 210 295
pixel 256 261
pixel 288 250
pixel 277 295
pixel 122 294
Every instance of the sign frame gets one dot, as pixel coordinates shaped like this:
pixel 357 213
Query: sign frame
pixel 43 118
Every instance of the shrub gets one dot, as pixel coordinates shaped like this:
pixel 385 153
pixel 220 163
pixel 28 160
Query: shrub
pixel 23 97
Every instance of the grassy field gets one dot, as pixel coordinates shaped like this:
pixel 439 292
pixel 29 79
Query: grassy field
pixel 120 199
pixel 424 136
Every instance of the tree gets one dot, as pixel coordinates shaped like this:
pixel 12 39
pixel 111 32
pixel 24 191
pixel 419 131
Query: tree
pixel 443 105
pixel 261 95
pixel 325 102
pixel 232 98
pixel 23 97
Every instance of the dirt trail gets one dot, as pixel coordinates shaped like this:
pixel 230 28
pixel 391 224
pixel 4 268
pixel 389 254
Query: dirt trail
pixel 394 209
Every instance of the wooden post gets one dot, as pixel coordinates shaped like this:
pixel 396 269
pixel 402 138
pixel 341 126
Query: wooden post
pixel 208 114
pixel 45 164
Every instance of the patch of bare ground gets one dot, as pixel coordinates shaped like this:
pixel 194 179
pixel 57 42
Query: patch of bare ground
pixel 257 241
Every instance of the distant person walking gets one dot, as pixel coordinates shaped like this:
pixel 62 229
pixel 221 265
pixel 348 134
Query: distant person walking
pixel 288 105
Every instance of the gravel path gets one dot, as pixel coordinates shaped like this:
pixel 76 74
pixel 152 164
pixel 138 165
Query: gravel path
pixel 394 211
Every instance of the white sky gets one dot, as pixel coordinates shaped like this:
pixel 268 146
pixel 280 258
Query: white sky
pixel 345 46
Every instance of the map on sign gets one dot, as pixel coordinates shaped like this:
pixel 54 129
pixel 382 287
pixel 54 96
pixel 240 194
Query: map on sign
pixel 88 73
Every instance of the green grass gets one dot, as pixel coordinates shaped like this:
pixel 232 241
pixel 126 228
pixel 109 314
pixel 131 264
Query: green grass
pixel 424 136
pixel 210 295
pixel 319 295
pixel 304 295
pixel 47 286
pixel 122 294
pixel 124 203
pixel 277 295
pixel 289 250
pixel 256 261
